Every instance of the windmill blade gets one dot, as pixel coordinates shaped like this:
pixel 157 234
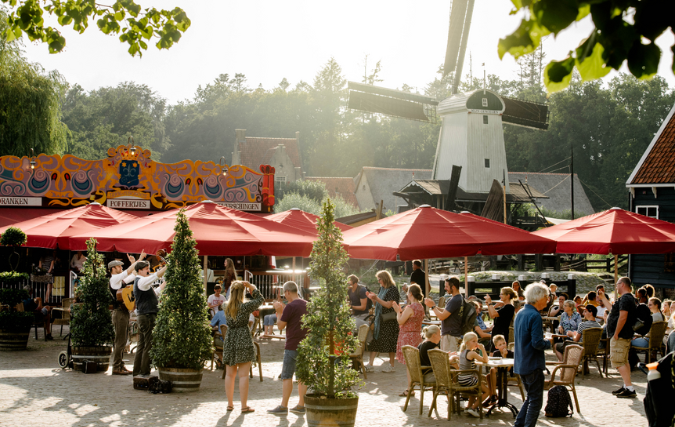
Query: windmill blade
pixel 395 103
pixel 458 36
pixel 525 113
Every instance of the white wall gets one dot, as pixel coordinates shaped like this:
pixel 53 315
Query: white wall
pixel 485 141
pixel 364 196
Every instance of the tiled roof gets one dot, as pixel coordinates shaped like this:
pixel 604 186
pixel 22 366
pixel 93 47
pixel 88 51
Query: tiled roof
pixel 258 151
pixel 657 165
pixel 384 182
pixel 344 186
pixel 557 187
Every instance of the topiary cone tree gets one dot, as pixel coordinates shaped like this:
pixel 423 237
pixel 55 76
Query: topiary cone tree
pixel 323 356
pixel 13 237
pixel 182 336
pixel 91 323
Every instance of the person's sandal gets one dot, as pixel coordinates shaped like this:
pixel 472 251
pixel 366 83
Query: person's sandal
pixel 247 410
pixel 405 393
pixel 230 408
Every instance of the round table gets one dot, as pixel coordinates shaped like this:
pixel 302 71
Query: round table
pixel 502 366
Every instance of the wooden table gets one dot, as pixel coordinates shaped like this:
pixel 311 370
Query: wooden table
pixel 502 366
pixel 431 322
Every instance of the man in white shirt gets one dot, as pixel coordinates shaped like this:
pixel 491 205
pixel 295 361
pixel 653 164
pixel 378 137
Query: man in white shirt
pixel 77 262
pixel 147 307
pixel 120 279
pixel 215 299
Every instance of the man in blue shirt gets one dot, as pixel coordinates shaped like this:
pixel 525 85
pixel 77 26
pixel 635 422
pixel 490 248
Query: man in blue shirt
pixel 530 360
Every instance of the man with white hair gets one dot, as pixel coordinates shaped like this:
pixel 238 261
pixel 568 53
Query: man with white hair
pixel 529 346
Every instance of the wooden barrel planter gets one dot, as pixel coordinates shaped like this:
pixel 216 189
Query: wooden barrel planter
pixel 322 411
pixel 14 340
pixel 100 355
pixel 183 380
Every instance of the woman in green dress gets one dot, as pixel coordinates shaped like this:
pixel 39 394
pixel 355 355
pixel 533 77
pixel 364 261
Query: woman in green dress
pixel 238 350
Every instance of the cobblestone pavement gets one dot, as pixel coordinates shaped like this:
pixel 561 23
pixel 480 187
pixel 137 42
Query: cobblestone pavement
pixel 35 392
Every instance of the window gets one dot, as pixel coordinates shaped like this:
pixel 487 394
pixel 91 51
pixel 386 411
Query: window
pixel 487 163
pixel 280 179
pixel 650 211
pixel 485 120
pixel 485 104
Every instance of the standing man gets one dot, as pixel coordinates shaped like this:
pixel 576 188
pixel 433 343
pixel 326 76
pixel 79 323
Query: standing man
pixel 291 316
pixel 418 275
pixel 451 326
pixel 119 279
pixel 358 301
pixel 146 306
pixel 620 331
pixel 215 300
pixel 530 346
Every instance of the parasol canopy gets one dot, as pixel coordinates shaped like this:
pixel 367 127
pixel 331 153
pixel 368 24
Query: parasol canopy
pixel 48 231
pixel 303 220
pixel 614 231
pixel 426 233
pixel 218 230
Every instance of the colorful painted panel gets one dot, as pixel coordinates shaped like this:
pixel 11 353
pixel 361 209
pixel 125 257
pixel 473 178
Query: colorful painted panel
pixel 130 179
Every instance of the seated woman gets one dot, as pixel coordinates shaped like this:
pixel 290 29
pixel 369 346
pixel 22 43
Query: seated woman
pixel 268 323
pixel 480 328
pixel 569 319
pixel 468 354
pixel 590 315
pixel 216 321
pixel 654 305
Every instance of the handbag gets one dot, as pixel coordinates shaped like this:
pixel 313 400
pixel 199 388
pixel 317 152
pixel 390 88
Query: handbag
pixel 388 317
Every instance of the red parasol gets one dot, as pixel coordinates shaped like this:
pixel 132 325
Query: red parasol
pixel 218 230
pixel 303 220
pixel 614 231
pixel 54 229
pixel 426 233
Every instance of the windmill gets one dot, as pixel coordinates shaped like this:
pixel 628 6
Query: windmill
pixel 470 156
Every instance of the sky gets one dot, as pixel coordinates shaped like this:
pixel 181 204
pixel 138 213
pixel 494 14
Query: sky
pixel 268 40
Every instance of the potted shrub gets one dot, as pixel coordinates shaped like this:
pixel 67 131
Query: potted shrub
pixel 13 237
pixel 91 325
pixel 323 356
pixel 181 340
pixel 12 278
pixel 14 325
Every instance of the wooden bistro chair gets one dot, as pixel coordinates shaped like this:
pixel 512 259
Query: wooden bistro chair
pixel 512 335
pixel 603 353
pixel 257 350
pixel 218 344
pixel 65 314
pixel 656 334
pixel 439 359
pixel 590 340
pixel 357 356
pixel 567 370
pixel 440 363
pixel 515 379
pixel 412 363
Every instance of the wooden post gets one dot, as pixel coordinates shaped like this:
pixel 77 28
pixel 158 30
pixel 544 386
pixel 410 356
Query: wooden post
pixel 206 273
pixel 504 201
pixel 466 276
pixel 616 269
pixel 427 287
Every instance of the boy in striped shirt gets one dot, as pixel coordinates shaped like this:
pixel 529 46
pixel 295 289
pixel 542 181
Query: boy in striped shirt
pixel 589 322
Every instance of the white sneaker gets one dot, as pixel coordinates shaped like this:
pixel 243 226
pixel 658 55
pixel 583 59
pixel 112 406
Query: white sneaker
pixel 368 368
pixel 388 368
pixel 473 412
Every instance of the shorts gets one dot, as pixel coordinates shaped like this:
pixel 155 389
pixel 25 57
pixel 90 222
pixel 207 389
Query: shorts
pixel 467 380
pixel 270 320
pixel 618 352
pixel 288 367
pixel 450 343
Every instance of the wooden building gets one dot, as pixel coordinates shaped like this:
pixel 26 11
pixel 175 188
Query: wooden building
pixel 652 193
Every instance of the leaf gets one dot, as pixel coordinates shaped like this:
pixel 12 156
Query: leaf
pixel 522 41
pixel 558 74
pixel 593 66
pixel 643 60
pixel 584 11
pixel 555 15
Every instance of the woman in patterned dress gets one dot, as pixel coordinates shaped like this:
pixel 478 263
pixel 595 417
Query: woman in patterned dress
pixel 238 350
pixel 570 319
pixel 410 322
pixel 385 333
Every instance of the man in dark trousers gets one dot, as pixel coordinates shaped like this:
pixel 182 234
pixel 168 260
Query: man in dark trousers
pixel 530 346
pixel 119 279
pixel 146 306
pixel 418 275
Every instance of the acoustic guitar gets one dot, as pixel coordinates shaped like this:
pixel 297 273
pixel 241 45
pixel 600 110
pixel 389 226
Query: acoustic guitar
pixel 126 296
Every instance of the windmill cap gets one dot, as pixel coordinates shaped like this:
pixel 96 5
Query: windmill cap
pixel 294 209
pixel 465 212
pixel 425 206
pixel 615 209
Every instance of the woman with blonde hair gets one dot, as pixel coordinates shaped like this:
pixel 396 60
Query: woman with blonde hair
pixel 503 315
pixel 238 350
pixel 468 354
pixel 385 332
pixel 410 323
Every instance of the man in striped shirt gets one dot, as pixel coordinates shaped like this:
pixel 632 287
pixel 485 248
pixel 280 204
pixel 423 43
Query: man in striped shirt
pixel 589 322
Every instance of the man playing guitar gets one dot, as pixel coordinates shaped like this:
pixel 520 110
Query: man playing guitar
pixel 120 279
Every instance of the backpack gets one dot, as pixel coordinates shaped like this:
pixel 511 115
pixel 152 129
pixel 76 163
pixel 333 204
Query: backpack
pixel 468 315
pixel 558 403
pixel 643 319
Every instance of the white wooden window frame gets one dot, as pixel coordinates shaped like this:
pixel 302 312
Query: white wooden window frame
pixel 485 102
pixel 280 179
pixel 645 210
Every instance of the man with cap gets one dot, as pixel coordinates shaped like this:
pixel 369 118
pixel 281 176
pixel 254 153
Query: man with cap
pixel 147 308
pixel 120 278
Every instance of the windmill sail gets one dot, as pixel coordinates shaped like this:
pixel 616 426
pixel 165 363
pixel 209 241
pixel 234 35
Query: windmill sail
pixel 458 36
pixel 375 99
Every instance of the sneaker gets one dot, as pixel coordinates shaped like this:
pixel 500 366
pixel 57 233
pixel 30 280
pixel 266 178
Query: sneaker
pixel 389 369
pixel 619 391
pixel 626 393
pixel 369 368
pixel 298 410
pixel 473 412
pixel 279 410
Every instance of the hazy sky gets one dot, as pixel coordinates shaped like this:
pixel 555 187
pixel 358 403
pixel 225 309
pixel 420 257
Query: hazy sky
pixel 269 40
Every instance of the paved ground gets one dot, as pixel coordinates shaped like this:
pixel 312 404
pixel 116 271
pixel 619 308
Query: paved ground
pixel 35 392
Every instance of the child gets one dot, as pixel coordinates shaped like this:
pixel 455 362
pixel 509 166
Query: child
pixel 501 351
pixel 467 356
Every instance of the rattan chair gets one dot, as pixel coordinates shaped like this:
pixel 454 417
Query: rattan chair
pixel 65 314
pixel 412 363
pixel 512 338
pixel 218 346
pixel 568 371
pixel 590 339
pixel 656 334
pixel 446 383
pixel 357 356
pixel 603 353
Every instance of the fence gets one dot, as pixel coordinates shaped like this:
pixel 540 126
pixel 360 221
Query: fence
pixel 269 283
pixel 59 289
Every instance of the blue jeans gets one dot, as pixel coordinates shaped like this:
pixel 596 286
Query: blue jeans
pixel 270 320
pixel 529 412
pixel 640 342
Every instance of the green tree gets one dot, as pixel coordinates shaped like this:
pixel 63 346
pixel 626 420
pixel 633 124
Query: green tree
pixel 91 325
pixel 623 31
pixel 327 319
pixel 182 337
pixel 126 18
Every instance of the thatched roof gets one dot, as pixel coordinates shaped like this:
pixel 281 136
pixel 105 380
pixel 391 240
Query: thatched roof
pixel 557 187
